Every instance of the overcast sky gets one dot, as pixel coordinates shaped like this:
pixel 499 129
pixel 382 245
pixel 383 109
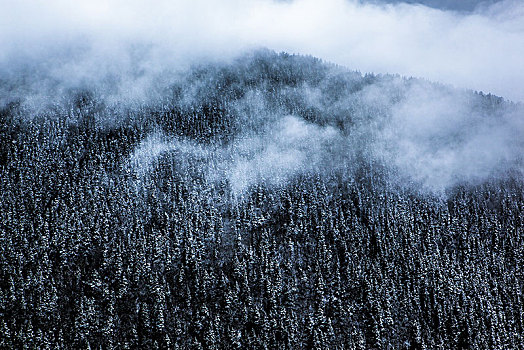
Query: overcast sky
pixel 480 47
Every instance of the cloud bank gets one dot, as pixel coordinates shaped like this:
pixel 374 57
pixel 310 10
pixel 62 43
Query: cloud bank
pixel 480 49
pixel 412 133
pixel 128 52
pixel 439 138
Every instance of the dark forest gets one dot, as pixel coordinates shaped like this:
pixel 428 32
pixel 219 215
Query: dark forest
pixel 271 202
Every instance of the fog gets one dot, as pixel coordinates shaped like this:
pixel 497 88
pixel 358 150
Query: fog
pixel 476 45
pixel 284 149
pixel 438 138
pixel 130 52
pixel 426 136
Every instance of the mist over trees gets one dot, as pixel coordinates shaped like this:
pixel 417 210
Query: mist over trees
pixel 275 201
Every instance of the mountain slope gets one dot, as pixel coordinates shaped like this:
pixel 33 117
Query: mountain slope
pixel 271 202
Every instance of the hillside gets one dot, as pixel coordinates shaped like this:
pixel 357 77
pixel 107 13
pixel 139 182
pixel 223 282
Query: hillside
pixel 273 201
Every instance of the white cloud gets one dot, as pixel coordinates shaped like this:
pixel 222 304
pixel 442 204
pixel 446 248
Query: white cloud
pixel 287 148
pixel 481 50
pixel 439 138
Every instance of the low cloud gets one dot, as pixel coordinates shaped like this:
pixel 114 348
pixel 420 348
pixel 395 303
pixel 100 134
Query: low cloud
pixel 131 52
pixel 480 49
pixel 439 138
pixel 427 136
pixel 289 147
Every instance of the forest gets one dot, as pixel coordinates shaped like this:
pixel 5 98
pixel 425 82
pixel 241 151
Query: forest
pixel 275 201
